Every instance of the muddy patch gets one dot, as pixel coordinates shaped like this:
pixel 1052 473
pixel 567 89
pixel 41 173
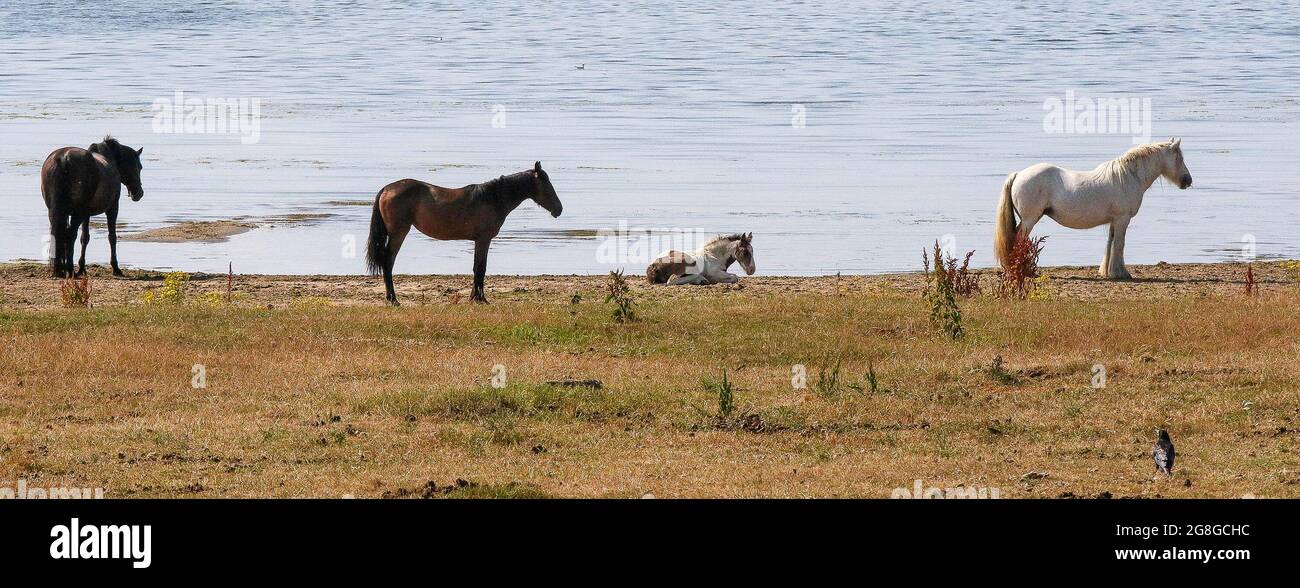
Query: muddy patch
pixel 221 230
pixel 193 231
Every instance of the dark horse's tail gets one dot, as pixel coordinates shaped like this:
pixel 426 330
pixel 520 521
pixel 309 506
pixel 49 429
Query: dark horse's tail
pixel 377 245
pixel 54 183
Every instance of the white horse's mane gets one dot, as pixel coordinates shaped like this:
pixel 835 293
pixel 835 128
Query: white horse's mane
pixel 1137 159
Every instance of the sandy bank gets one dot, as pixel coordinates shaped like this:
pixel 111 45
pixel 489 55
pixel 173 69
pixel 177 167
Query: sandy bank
pixel 29 285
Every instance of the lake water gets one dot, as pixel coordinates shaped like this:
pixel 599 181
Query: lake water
pixel 846 136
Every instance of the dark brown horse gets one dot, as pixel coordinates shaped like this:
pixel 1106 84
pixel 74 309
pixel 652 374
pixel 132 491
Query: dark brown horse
pixel 80 183
pixel 473 213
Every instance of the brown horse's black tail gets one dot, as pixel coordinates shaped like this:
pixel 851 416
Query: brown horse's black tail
pixel 377 245
pixel 53 185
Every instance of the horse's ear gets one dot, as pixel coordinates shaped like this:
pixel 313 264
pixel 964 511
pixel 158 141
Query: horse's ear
pixel 139 151
pixel 537 167
pixel 1176 141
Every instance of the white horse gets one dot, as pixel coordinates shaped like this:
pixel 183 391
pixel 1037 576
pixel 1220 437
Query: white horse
pixel 706 265
pixel 1111 193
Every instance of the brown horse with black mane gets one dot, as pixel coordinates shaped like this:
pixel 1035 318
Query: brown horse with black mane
pixel 474 212
pixel 80 183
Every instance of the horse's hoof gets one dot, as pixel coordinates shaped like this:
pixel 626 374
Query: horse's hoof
pixel 394 302
pixel 119 273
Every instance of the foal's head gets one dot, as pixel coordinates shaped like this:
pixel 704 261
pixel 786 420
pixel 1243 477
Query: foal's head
pixel 1175 170
pixel 127 161
pixel 743 251
pixel 544 193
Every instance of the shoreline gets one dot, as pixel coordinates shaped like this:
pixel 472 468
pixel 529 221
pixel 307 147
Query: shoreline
pixel 28 286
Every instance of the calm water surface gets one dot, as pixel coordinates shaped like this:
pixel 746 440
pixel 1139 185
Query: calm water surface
pixel 657 115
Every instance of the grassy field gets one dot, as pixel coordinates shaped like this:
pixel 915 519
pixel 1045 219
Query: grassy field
pixel 326 396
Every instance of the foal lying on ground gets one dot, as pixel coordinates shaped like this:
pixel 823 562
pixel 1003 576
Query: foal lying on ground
pixel 1110 194
pixel 706 265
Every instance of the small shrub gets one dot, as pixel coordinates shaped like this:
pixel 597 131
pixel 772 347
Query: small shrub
pixel 1016 280
pixel 941 293
pixel 1041 289
pixel 828 380
pixel 574 301
pixel 1251 290
pixel 1292 268
pixel 221 299
pixel 728 417
pixel 1000 373
pixel 173 291
pixel 76 292
pixel 212 299
pixel 964 283
pixel 620 293
pixel 873 382
pixel 726 396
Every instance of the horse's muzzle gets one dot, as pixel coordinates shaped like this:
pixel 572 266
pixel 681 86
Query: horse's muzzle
pixel 1185 182
pixel 556 213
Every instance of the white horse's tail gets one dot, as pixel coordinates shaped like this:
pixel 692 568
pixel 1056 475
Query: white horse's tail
pixel 1004 237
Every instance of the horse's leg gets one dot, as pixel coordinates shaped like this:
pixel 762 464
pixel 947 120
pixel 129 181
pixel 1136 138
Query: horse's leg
pixel 722 277
pixel 480 268
pixel 69 226
pixel 1104 269
pixel 85 240
pixel 56 234
pixel 1027 222
pixel 692 279
pixel 111 217
pixel 395 239
pixel 1119 229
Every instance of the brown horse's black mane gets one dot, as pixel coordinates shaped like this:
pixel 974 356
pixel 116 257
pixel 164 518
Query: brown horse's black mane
pixel 109 147
pixel 506 191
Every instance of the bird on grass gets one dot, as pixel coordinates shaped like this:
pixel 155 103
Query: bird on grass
pixel 1163 453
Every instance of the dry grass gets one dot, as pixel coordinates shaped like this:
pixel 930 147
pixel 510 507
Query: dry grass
pixel 326 400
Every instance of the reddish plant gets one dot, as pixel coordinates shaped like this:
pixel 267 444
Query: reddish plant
pixel 959 278
pixel 76 292
pixel 1016 280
